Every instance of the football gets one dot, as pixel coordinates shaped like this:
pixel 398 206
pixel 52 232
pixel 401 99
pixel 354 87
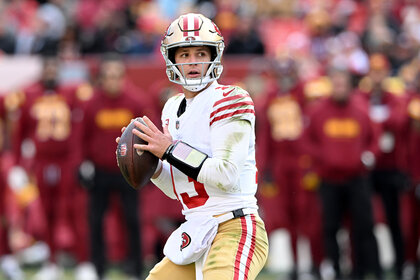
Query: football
pixel 137 166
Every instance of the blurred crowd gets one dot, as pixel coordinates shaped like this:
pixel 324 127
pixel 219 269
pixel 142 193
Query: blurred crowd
pixel 330 29
pixel 336 86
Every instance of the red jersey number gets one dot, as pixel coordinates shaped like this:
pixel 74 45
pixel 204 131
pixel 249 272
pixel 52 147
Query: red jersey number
pixel 196 200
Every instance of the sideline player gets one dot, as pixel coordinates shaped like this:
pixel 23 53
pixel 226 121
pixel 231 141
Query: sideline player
pixel 114 102
pixel 208 161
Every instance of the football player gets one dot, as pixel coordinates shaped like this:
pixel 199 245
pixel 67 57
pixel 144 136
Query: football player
pixel 287 194
pixel 115 101
pixel 342 141
pixel 389 177
pixel 45 128
pixel 207 152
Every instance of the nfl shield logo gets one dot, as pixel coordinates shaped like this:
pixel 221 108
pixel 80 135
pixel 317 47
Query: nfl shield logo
pixel 123 150
pixel 177 125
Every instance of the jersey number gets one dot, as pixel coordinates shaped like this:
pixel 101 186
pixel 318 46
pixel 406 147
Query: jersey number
pixel 196 200
pixel 285 118
pixel 53 118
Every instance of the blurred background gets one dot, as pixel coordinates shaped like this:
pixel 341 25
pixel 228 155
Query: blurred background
pixel 73 72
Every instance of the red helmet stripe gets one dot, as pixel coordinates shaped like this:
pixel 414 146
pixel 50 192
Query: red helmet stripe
pixel 185 26
pixel 196 26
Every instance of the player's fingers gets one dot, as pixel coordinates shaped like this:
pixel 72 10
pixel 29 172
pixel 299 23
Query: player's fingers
pixel 150 124
pixel 142 135
pixel 144 128
pixel 117 140
pixel 166 131
pixel 123 129
pixel 141 147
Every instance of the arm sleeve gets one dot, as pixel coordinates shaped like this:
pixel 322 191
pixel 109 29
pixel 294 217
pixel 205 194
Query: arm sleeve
pixel 229 145
pixel 164 181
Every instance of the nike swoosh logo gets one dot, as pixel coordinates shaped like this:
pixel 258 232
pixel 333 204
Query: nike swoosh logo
pixel 227 93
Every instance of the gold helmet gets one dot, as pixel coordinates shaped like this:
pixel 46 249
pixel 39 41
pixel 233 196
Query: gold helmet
pixel 193 30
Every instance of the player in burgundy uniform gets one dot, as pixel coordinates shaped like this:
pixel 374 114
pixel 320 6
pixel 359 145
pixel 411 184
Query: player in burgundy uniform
pixel 44 143
pixel 9 264
pixel 113 105
pixel 3 232
pixel 413 234
pixel 341 139
pixel 388 177
pixel 280 158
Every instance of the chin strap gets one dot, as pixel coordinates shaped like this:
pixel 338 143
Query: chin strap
pixel 195 88
pixel 192 85
pixel 185 158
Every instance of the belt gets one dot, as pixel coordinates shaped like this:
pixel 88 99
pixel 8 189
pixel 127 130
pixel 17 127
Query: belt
pixel 241 212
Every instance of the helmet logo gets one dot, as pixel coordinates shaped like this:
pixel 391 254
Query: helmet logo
pixel 186 240
pixel 217 29
pixel 168 31
pixel 190 38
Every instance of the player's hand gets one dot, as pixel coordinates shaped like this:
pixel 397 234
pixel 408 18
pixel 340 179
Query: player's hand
pixel 157 140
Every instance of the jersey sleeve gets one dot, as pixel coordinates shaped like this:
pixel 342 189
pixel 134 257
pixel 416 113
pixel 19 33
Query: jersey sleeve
pixel 164 181
pixel 234 103
pixel 230 143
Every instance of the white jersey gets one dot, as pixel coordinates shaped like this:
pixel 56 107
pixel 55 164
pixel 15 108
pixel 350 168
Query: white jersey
pixel 203 118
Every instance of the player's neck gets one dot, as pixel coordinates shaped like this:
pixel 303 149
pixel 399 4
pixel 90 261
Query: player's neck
pixel 191 94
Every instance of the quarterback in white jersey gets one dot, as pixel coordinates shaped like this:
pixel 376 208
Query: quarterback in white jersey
pixel 227 179
pixel 207 152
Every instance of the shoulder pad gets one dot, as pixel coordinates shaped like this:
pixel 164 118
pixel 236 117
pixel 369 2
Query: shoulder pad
pixel 230 94
pixel 230 90
pixel 232 102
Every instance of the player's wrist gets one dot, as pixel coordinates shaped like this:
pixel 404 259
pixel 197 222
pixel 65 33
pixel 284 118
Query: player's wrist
pixel 168 151
pixel 185 158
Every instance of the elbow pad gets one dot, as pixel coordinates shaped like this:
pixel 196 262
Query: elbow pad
pixel 185 158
